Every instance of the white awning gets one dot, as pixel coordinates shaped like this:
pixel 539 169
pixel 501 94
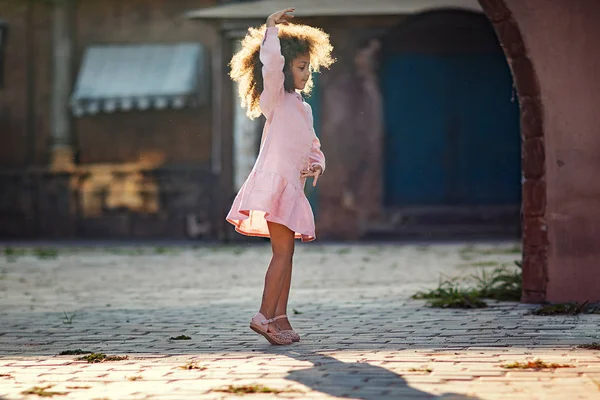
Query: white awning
pixel 127 77
pixel 323 8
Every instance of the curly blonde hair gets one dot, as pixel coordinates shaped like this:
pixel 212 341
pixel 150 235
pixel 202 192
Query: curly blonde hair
pixel 296 40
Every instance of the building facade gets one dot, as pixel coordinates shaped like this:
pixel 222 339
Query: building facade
pixel 105 120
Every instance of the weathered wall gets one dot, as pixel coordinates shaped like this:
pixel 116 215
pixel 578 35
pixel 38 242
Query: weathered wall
pixel 25 96
pixel 176 136
pixel 38 203
pixel 142 174
pixel 183 136
pixel 561 39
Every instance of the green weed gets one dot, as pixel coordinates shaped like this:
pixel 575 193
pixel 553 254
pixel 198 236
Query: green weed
pixel 567 309
pixel 69 318
pixel 535 365
pixel 12 253
pixel 43 391
pixel 181 337
pixel 502 284
pixel 250 389
pixel 590 346
pixel 100 357
pixel 77 352
pixel 45 253
pixel 448 294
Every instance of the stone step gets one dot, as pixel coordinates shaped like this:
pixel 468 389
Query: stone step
pixel 447 222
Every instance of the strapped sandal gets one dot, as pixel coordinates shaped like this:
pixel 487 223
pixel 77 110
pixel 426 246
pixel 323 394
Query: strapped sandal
pixel 260 325
pixel 290 333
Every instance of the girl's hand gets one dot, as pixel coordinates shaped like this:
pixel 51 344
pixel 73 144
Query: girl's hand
pixel 315 171
pixel 280 17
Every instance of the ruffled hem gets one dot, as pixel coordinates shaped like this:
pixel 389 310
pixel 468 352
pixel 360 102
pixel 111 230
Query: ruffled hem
pixel 266 196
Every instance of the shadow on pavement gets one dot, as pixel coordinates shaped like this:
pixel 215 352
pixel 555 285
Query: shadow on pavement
pixel 357 380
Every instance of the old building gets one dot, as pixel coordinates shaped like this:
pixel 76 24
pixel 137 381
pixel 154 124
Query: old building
pixel 106 120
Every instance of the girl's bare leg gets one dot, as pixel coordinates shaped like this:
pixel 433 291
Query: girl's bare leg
pixel 281 309
pixel 282 244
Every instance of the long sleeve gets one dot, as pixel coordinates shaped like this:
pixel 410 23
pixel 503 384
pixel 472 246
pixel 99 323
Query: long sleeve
pixel 316 155
pixel 272 71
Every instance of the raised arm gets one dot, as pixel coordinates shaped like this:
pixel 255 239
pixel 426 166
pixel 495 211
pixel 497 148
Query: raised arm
pixel 273 62
pixel 272 71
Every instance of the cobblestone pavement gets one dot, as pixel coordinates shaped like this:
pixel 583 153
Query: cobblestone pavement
pixel 362 336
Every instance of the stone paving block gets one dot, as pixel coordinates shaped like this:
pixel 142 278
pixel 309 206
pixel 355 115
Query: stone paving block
pixel 368 335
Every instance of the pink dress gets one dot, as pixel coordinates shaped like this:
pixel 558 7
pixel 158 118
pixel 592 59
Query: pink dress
pixel 274 190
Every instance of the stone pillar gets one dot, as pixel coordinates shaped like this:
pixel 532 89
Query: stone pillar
pixel 535 239
pixel 61 152
pixel 558 92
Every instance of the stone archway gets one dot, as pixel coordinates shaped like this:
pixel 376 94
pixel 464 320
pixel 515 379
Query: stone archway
pixel 535 236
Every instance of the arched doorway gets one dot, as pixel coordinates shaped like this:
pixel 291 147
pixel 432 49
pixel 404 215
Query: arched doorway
pixel 451 116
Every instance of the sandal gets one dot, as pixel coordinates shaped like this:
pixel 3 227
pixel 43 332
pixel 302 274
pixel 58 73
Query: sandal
pixel 290 333
pixel 260 325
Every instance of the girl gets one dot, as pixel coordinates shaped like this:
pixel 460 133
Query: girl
pixel 276 62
